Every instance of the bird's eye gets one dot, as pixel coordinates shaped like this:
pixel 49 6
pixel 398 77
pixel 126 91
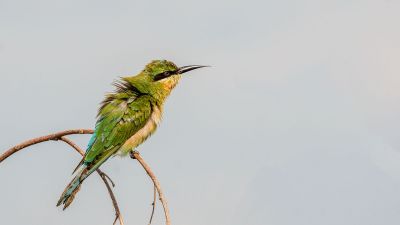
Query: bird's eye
pixel 162 75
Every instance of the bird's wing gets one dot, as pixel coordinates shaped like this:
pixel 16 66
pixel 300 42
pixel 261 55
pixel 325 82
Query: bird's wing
pixel 118 120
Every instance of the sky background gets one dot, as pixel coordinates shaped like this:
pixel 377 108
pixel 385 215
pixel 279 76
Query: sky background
pixel 296 122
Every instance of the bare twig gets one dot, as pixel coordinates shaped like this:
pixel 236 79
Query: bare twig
pixel 37 140
pixel 118 215
pixel 60 136
pixel 109 179
pixel 136 155
pixel 153 204
pixel 106 179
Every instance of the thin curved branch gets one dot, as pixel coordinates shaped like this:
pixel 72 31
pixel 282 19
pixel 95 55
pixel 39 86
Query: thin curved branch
pixel 60 136
pixel 109 179
pixel 71 143
pixel 118 215
pixel 134 155
pixel 153 204
pixel 146 167
pixel 38 140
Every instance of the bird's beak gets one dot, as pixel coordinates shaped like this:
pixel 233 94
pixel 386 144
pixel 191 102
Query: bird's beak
pixel 185 69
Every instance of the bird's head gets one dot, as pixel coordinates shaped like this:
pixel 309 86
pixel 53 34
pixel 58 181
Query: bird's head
pixel 162 73
pixel 159 77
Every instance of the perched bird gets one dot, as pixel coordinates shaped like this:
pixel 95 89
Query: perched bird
pixel 126 118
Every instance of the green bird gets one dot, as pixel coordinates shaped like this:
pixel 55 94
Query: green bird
pixel 126 118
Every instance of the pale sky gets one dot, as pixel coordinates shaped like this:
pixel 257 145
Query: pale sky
pixel 296 122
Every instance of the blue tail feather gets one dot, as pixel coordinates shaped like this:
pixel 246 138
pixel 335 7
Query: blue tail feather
pixel 73 187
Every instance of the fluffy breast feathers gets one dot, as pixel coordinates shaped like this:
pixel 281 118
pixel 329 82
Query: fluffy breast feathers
pixel 141 135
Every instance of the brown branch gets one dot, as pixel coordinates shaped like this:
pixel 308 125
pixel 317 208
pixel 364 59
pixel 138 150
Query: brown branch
pixel 118 215
pixel 153 204
pixel 37 140
pixel 60 136
pixel 136 155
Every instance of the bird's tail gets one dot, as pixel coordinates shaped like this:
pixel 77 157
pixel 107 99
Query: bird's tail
pixel 73 187
pixel 82 173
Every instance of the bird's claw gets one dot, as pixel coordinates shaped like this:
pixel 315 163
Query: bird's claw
pixel 132 154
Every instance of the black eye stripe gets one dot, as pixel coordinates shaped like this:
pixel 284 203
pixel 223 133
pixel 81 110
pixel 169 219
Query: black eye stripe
pixel 160 76
pixel 163 75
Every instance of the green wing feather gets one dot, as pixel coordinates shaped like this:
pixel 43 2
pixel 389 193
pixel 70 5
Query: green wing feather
pixel 119 119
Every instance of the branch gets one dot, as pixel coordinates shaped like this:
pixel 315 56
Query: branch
pixel 136 155
pixel 60 136
pixel 118 215
pixel 153 204
pixel 106 179
pixel 38 140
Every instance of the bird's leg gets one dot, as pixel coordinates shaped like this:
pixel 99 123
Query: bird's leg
pixel 132 154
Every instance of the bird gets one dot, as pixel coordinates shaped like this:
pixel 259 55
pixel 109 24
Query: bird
pixel 126 118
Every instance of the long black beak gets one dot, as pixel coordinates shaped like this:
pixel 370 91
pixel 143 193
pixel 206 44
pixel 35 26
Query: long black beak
pixel 185 69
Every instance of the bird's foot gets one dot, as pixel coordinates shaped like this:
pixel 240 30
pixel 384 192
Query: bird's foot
pixel 133 153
